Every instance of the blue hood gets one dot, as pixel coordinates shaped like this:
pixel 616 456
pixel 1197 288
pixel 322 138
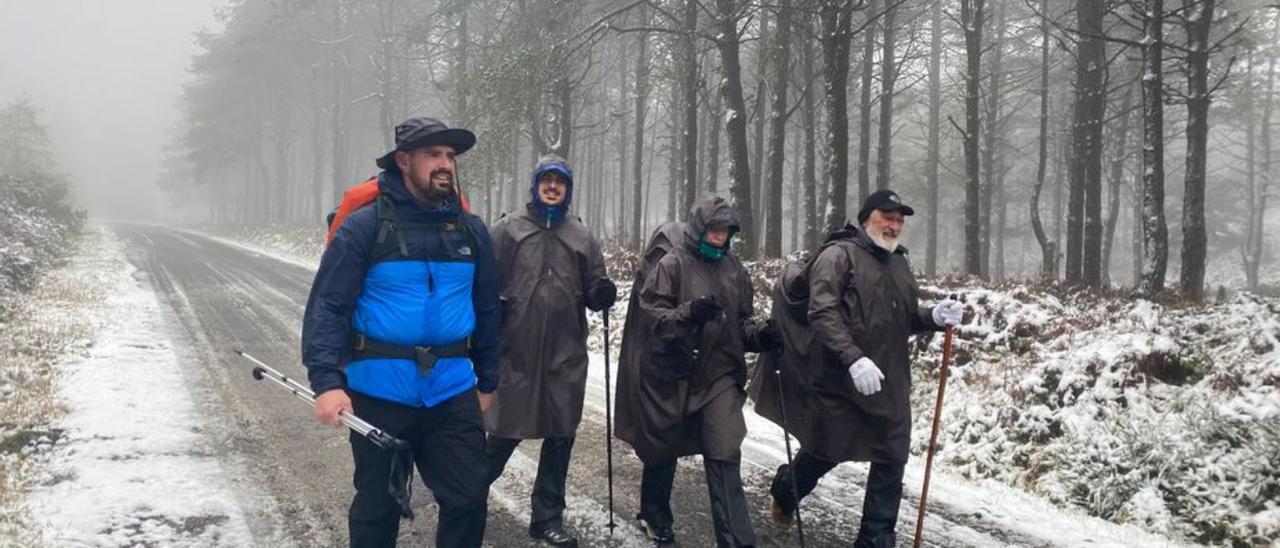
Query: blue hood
pixel 545 213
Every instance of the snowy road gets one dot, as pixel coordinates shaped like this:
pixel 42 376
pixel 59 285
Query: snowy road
pixel 219 297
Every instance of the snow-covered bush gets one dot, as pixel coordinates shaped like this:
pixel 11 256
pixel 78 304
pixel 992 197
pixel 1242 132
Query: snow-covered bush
pixel 35 226
pixel 1168 418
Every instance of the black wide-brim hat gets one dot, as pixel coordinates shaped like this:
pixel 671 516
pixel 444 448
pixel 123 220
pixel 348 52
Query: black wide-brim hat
pixel 416 133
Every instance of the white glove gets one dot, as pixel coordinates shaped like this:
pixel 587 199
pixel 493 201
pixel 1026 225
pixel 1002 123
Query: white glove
pixel 948 313
pixel 866 376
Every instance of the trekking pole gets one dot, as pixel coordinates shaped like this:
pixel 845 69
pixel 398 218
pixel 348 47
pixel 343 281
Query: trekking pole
pixel 608 420
pixel 786 437
pixel 933 436
pixel 372 433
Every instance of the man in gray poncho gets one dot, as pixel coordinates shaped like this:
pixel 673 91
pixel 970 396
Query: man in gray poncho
pixel 845 318
pixel 680 381
pixel 552 270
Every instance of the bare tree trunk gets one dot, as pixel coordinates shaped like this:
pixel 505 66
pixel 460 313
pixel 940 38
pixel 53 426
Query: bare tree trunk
pixel 1136 245
pixel 563 93
pixel 971 19
pixel 781 61
pixel 796 202
pixel 735 123
pixel 888 76
pixel 1194 237
pixel 1259 189
pixel 991 160
pixel 318 184
pixel 1084 220
pixel 339 116
pixel 675 117
pixel 812 229
pixel 1155 231
pixel 837 19
pixel 759 112
pixel 713 145
pixel 864 109
pixel 637 168
pixel 1048 248
pixel 1248 107
pixel 1002 223
pixel 461 111
pixel 623 160
pixel 1119 156
pixel 933 159
pixel 1060 160
pixel 689 91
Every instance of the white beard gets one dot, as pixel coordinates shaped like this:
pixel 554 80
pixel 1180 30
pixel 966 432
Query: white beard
pixel 887 244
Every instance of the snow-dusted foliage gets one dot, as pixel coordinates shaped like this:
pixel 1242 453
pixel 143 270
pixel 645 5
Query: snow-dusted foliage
pixel 35 224
pixel 1168 418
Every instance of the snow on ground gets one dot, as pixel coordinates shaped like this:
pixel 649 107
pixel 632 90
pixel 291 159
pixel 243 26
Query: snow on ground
pixel 301 246
pixel 132 467
pixel 47 325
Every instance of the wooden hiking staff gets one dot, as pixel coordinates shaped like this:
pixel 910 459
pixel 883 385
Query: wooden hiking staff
pixel 933 436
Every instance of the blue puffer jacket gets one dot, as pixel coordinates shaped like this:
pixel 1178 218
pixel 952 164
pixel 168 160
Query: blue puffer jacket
pixel 445 290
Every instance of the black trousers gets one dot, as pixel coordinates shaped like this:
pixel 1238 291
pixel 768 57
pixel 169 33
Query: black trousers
pixel 879 505
pixel 724 486
pixel 547 501
pixel 448 443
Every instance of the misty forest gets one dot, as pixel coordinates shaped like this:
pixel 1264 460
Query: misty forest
pixel 1098 178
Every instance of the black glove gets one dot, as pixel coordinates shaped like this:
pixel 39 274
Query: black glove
pixel 602 295
pixel 769 337
pixel 704 309
pixel 670 362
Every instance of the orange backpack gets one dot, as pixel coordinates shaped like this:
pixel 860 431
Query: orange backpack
pixel 364 194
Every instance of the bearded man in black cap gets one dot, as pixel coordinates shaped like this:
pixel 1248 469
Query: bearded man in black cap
pixel 846 363
pixel 403 328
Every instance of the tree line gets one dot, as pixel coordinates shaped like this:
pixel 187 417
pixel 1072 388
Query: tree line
pixel 1015 126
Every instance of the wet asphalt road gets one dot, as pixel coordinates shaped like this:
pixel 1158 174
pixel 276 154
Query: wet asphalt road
pixel 222 297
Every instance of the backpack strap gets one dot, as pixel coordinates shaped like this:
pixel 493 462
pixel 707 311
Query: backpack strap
pixel 387 223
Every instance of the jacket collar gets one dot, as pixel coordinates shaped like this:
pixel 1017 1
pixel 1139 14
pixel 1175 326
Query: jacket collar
pixel 391 183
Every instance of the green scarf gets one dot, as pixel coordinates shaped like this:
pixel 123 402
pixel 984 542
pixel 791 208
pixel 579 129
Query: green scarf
pixel 711 252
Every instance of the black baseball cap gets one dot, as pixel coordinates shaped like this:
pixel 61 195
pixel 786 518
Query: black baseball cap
pixel 416 133
pixel 884 200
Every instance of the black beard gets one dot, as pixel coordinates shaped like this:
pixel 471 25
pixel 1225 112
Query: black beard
pixel 435 193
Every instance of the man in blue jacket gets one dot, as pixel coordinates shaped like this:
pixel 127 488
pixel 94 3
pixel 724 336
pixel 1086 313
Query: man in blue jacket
pixel 403 328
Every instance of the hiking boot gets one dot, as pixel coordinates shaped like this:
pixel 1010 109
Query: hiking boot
pixel 657 532
pixel 784 501
pixel 555 535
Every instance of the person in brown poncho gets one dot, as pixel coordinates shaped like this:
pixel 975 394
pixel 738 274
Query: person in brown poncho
pixel 552 272
pixel 845 316
pixel 681 378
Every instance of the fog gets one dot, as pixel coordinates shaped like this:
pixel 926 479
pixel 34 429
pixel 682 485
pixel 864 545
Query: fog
pixel 107 76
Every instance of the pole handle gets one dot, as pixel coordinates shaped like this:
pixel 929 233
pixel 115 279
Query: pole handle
pixel 358 425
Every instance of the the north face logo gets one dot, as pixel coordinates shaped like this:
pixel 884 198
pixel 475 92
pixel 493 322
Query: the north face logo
pixel 464 251
pixel 894 198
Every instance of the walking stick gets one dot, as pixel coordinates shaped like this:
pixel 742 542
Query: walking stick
pixel 786 436
pixel 933 436
pixel 400 479
pixel 608 420
pixel 372 433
